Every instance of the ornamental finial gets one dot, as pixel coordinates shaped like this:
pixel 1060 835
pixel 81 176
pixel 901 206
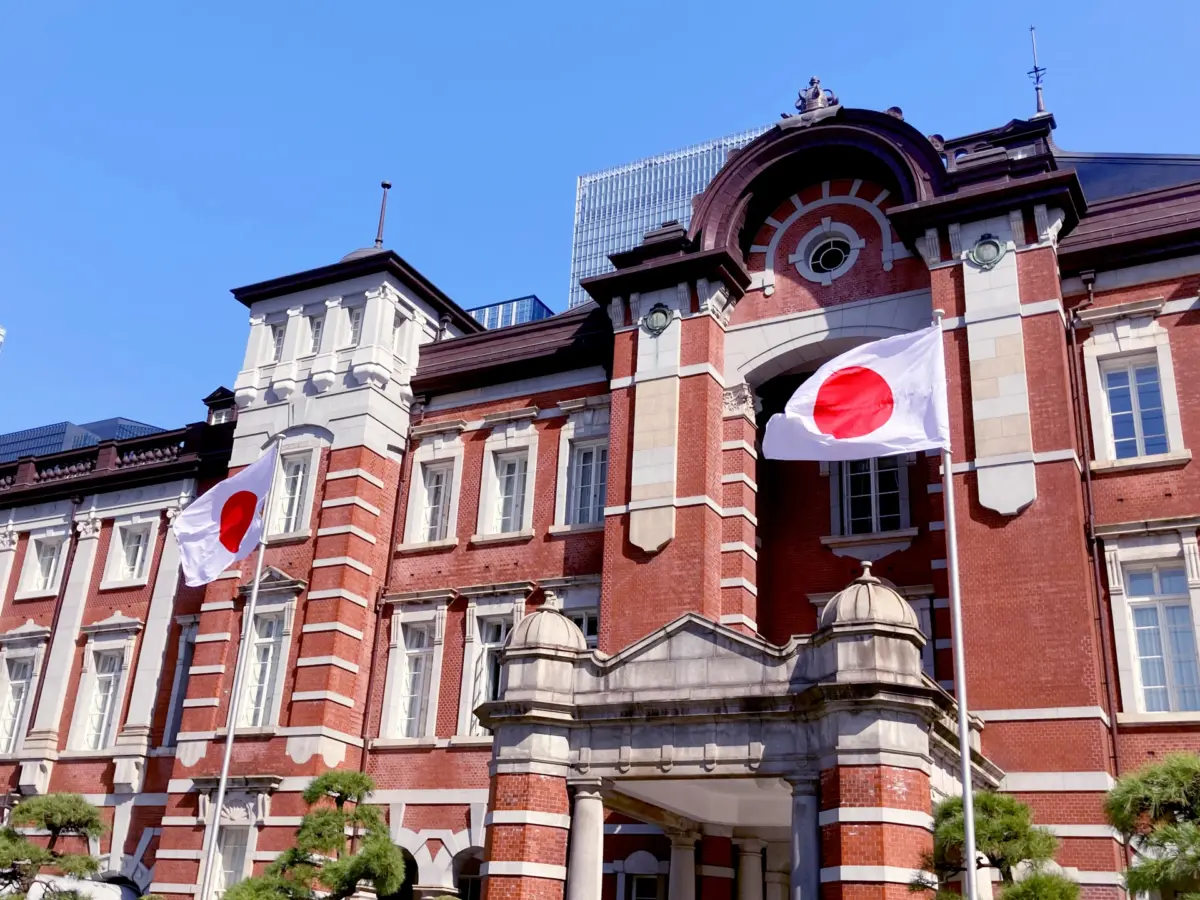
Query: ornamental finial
pixel 814 97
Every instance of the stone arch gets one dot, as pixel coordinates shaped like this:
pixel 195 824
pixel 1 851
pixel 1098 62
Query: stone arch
pixel 466 868
pixel 641 862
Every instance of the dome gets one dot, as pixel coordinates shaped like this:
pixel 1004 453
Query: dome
pixel 362 253
pixel 547 627
pixel 867 599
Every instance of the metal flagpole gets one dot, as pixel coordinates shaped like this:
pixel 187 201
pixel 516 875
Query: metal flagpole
pixel 960 667
pixel 235 701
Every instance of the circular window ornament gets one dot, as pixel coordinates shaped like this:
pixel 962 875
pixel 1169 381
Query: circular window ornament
pixel 657 319
pixel 827 252
pixel 987 252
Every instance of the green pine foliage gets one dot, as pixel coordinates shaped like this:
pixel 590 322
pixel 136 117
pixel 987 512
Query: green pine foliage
pixel 321 855
pixel 1158 809
pixel 1006 835
pixel 24 862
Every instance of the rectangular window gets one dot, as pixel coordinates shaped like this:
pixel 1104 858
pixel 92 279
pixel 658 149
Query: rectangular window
pixel 20 678
pixel 435 509
pixel 870 495
pixel 643 887
pixel 510 491
pixel 356 323
pixel 493 633
pixel 1135 408
pixel 398 335
pixel 293 481
pixel 587 482
pixel 103 706
pixel 231 847
pixel 266 645
pixel 418 661
pixel 43 573
pixel 220 416
pixel 277 335
pixel 316 327
pixel 131 563
pixel 1165 638
pixel 588 621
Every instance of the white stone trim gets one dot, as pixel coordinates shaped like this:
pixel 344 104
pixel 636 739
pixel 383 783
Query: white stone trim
pixel 342 561
pixel 306 445
pixel 195 702
pixel 1129 338
pixel 120 639
pixel 355 473
pixel 739 619
pixel 446 448
pixel 507 437
pixel 1083 877
pixel 526 817
pixel 740 445
pixel 528 869
pixel 431 614
pixel 61 535
pixel 714 871
pixel 166 887
pixel 1085 831
pixel 1046 782
pixel 147 522
pixel 206 670
pixel 510 606
pixel 739 582
pixel 880 814
pixel 876 874
pixel 286 608
pixel 350 501
pixel 1035 714
pixel 339 627
pixel 347 529
pixel 24 642
pixel 331 696
pixel 524 387
pixel 740 478
pixel 335 661
pixel 338 593
pixel 739 547
pixel 587 425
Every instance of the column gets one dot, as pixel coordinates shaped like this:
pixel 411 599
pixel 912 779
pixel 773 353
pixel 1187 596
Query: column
pixel 8 553
pixel 586 866
pixel 750 869
pixel 779 864
pixel 682 882
pixel 806 847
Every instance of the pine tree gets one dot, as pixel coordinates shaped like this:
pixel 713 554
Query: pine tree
pixel 1158 810
pixel 1006 835
pixel 320 854
pixel 23 861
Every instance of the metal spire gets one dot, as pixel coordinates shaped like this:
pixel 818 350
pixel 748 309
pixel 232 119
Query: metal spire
pixel 386 185
pixel 1037 72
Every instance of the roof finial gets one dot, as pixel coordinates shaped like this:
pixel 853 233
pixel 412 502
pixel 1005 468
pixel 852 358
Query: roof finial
pixel 386 185
pixel 866 577
pixel 1037 72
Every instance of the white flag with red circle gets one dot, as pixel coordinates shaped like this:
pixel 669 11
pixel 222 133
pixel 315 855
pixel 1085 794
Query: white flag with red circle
pixel 879 399
pixel 223 525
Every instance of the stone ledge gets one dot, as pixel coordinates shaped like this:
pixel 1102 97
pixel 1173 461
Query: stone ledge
pixel 427 546
pixel 869 546
pixel 507 537
pixel 1156 461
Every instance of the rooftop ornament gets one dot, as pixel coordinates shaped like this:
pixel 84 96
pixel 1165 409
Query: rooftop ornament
pixel 814 103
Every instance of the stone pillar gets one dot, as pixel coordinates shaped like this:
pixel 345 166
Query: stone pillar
pixel 586 867
pixel 682 882
pixel 41 746
pixel 8 553
pixel 779 864
pixel 750 869
pixel 806 844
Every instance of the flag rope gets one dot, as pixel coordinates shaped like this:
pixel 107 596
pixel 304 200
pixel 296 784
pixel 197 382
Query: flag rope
pixel 235 701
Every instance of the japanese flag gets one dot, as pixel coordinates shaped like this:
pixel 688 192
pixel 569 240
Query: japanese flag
pixel 223 526
pixel 878 399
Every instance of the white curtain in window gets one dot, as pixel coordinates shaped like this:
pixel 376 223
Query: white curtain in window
pixel 267 638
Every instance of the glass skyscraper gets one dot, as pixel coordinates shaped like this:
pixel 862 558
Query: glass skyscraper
pixel 510 312
pixel 615 207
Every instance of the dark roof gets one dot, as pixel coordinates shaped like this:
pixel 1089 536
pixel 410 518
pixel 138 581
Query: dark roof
pixel 1108 175
pixel 575 339
pixel 355 266
pixel 1133 229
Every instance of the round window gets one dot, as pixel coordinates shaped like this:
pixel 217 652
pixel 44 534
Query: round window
pixel 829 254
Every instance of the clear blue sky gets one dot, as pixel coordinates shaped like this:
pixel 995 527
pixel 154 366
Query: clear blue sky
pixel 157 154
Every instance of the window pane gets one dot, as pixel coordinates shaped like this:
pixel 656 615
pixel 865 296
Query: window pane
pixel 414 696
pixel 1139 584
pixel 175 716
pixel 316 327
pixel 231 847
pixel 1172 582
pixel 356 322
pixel 436 512
pixel 1150 656
pixel 103 702
pixel 1182 640
pixel 289 514
pixel 264 664
pixel 510 510
pixel 20 675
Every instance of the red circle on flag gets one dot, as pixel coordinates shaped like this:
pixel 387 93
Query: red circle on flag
pixel 236 516
pixel 852 402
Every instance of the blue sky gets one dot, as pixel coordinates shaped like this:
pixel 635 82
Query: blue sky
pixel 157 154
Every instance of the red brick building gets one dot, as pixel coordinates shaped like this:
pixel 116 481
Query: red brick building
pixel 540 584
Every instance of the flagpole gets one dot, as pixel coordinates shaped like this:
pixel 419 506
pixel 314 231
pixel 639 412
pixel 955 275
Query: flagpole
pixel 970 860
pixel 235 701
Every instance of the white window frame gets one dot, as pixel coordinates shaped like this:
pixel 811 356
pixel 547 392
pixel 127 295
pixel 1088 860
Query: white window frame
pixel 184 656
pixel 513 433
pixel 1132 550
pixel 1128 364
pixel 147 523
pixel 1159 602
pixel 1132 337
pixel 26 642
pixel 314 334
pixel 488 606
pixel 839 520
pixel 304 521
pixel 276 341
pixel 587 423
pixel 116 634
pixel 437 447
pixel 59 534
pixel 285 608
pixel 432 617
pixel 219 886
pixel 351 339
pixel 221 416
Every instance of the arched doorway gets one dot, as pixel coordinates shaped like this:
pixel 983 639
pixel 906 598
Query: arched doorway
pixel 466 874
pixel 410 878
